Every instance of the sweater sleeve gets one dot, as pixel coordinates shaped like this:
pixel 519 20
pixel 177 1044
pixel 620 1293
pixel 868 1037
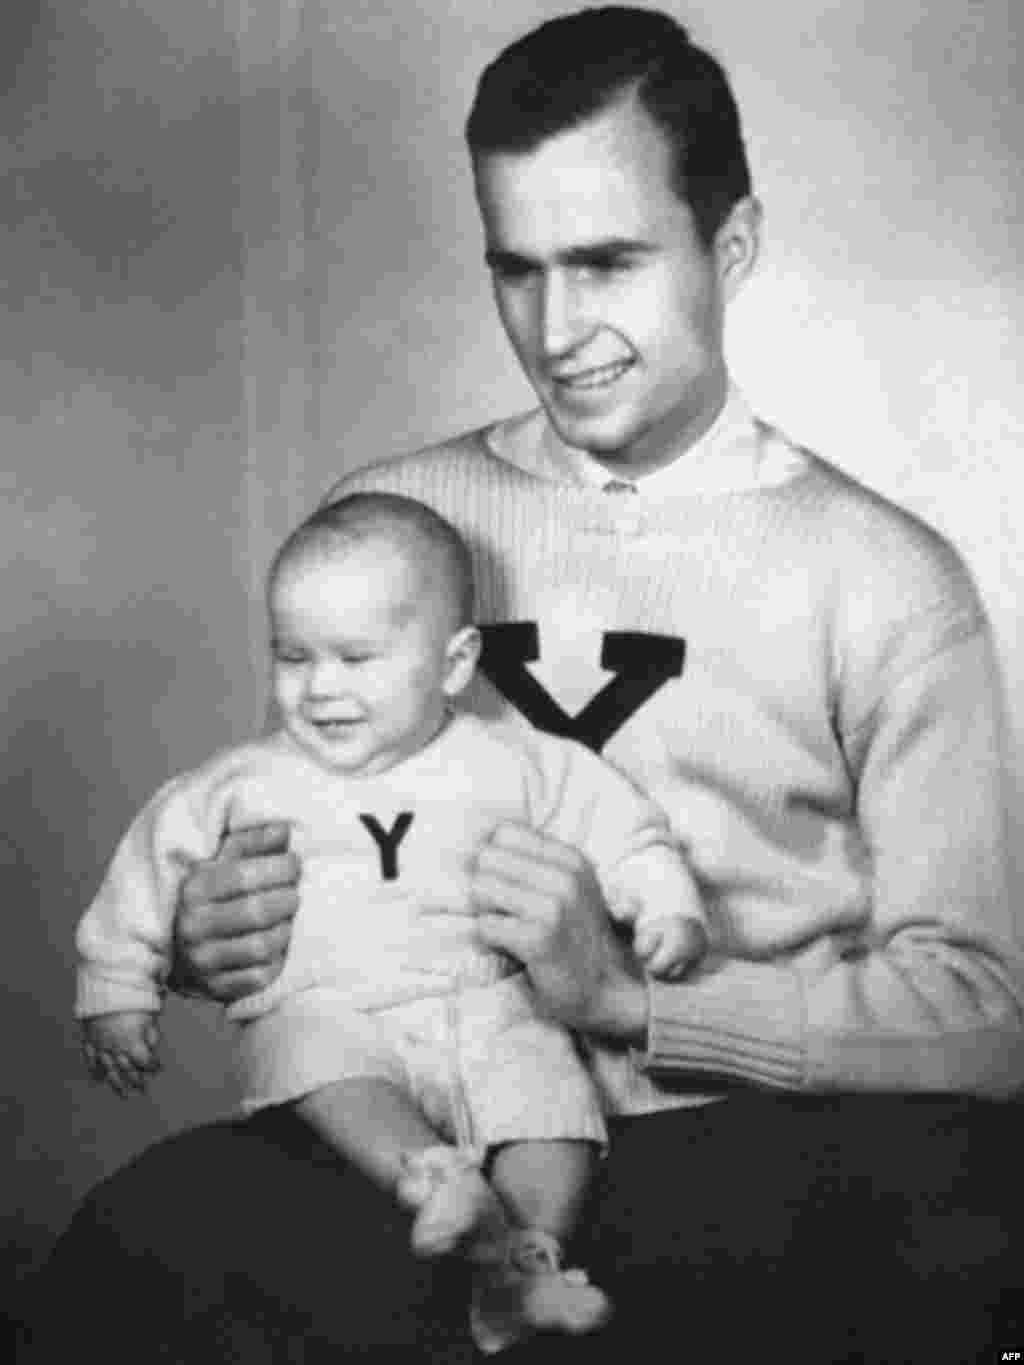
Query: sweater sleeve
pixel 628 839
pixel 124 938
pixel 928 996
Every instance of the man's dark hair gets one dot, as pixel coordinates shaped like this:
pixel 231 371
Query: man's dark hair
pixel 431 544
pixel 572 68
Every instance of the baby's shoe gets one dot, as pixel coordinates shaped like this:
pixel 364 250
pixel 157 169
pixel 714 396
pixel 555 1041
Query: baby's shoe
pixel 454 1205
pixel 530 1292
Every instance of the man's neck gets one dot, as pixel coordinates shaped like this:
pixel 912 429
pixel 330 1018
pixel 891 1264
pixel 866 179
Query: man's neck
pixel 668 441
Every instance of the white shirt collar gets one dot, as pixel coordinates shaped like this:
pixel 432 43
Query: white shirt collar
pixel 736 452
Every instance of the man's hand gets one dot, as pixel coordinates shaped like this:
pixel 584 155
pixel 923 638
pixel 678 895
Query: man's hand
pixel 538 899
pixel 120 1048
pixel 234 919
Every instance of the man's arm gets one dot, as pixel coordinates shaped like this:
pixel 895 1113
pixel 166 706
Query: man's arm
pixel 234 917
pixel 927 998
pixel 927 995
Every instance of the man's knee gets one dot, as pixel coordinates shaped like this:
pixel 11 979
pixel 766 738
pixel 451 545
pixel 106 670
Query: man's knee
pixel 170 1186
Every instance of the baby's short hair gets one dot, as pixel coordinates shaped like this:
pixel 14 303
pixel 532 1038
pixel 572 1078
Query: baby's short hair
pixel 419 534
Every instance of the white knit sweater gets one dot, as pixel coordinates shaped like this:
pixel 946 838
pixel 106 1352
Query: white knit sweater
pixel 385 915
pixel 803 676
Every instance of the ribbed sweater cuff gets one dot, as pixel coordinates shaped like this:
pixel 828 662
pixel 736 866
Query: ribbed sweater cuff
pixel 743 1020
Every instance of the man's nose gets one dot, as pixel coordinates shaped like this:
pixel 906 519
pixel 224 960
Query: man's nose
pixel 563 314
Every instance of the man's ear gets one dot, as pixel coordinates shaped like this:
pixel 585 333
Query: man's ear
pixel 462 655
pixel 737 245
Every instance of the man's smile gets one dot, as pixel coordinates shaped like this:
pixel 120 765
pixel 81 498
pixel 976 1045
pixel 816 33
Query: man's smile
pixel 592 378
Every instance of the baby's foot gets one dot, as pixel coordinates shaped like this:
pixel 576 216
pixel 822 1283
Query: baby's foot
pixel 531 1293
pixel 454 1205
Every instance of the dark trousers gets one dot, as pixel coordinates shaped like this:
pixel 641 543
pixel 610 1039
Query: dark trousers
pixel 873 1229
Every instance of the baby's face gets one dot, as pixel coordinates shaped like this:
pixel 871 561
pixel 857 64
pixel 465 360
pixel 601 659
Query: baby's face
pixel 359 658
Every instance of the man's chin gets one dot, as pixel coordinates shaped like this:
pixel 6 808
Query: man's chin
pixel 603 437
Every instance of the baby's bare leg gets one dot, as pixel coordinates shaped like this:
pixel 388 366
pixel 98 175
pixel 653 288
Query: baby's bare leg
pixel 371 1121
pixel 375 1124
pixel 543 1184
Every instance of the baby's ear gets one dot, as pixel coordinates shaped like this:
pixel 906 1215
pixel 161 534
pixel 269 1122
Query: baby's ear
pixel 462 654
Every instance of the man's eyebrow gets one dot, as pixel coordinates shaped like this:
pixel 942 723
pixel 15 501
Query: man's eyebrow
pixel 604 250
pixel 583 254
pixel 496 256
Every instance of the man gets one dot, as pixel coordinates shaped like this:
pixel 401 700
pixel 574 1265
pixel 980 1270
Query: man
pixel 803 676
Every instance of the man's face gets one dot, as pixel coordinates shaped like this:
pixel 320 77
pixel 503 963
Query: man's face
pixel 612 305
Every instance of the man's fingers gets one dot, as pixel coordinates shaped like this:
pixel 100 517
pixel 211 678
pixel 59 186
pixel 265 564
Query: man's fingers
pixel 232 985
pixel 508 934
pixel 227 880
pixel 259 948
pixel 504 896
pixel 256 840
pixel 497 863
pixel 261 912
pixel 220 938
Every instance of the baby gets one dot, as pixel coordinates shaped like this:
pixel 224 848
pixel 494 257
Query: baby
pixel 409 1047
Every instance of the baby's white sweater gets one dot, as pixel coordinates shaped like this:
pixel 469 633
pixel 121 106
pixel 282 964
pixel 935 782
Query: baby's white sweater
pixel 804 678
pixel 385 913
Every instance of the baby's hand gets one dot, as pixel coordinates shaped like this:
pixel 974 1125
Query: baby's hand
pixel 667 947
pixel 120 1048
